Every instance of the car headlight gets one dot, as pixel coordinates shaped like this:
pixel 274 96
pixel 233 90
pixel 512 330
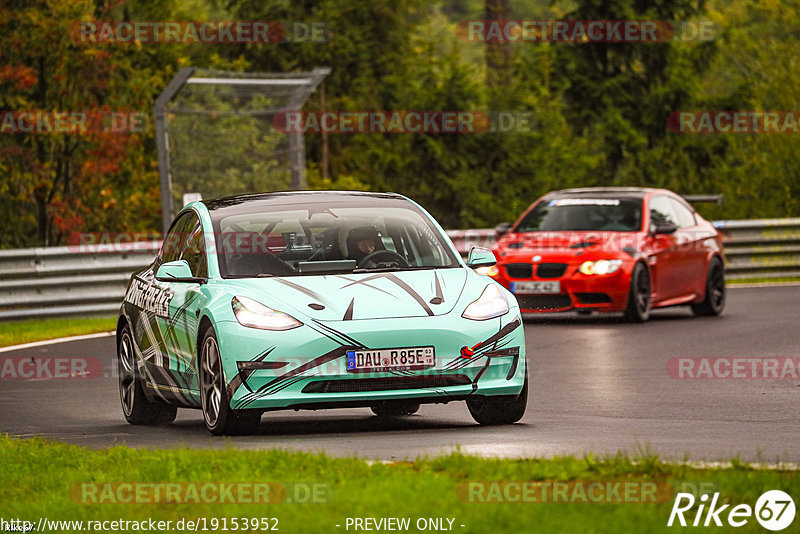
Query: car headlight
pixel 255 315
pixel 599 267
pixel 491 304
pixel 490 270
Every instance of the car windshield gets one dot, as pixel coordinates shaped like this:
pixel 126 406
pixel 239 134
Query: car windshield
pixel 584 214
pixel 287 240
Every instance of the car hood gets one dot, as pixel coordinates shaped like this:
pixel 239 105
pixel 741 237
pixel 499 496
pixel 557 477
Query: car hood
pixel 569 243
pixel 380 295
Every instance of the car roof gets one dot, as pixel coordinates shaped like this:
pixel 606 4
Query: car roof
pixel 629 192
pixel 279 198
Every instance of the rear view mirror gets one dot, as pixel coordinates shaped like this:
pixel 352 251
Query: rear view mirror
pixel 663 228
pixel 176 271
pixel 480 257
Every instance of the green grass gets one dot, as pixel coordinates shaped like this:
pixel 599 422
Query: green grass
pixel 763 280
pixel 16 332
pixel 36 477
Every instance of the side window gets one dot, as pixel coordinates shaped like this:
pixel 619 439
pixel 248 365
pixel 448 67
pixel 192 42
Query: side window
pixel 195 251
pixel 661 211
pixel 175 238
pixel 685 215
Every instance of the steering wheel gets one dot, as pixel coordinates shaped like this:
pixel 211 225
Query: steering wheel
pixel 393 256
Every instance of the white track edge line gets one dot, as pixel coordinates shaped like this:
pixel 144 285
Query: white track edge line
pixel 54 341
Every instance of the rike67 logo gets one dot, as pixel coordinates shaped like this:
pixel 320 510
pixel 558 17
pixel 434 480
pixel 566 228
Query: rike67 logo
pixel 774 510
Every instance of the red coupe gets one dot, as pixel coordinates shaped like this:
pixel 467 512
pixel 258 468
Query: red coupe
pixel 611 250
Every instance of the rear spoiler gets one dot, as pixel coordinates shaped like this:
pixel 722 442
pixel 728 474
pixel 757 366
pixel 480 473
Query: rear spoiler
pixel 703 198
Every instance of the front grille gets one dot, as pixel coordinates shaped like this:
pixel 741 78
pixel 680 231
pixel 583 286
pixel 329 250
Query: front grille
pixel 551 270
pixel 384 384
pixel 519 270
pixel 593 298
pixel 543 302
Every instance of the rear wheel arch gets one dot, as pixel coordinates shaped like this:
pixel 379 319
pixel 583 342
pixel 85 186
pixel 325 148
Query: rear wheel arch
pixel 122 322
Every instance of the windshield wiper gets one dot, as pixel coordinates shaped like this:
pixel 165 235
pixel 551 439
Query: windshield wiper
pixel 379 269
pixel 398 268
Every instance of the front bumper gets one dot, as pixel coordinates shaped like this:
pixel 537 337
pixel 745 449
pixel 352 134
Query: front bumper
pixel 604 293
pixel 306 367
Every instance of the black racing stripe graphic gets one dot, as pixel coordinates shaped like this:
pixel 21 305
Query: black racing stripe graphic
pixel 364 283
pixel 348 315
pixel 507 329
pixel 400 283
pixel 170 381
pixel 350 341
pixel 338 352
pixel 251 398
pixel 480 374
pixel 170 336
pixel 243 374
pixel 304 290
pixel 514 364
pixel 460 362
pixel 408 289
pixel 439 294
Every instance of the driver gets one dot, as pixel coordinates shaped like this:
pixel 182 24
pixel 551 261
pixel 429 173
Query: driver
pixel 363 241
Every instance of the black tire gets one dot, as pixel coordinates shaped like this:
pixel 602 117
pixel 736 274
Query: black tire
pixel 499 410
pixel 219 418
pixel 136 407
pixel 638 307
pixel 714 302
pixel 394 408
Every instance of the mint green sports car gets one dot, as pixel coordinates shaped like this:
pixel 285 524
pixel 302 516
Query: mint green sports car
pixel 310 300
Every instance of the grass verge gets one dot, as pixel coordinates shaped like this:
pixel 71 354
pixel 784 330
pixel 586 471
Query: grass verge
pixel 16 332
pixel 41 479
pixel 763 280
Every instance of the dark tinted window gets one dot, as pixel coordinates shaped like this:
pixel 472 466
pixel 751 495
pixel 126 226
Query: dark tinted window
pixel 195 251
pixel 176 237
pixel 584 214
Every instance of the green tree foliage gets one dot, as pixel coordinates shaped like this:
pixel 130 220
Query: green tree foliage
pixel 598 111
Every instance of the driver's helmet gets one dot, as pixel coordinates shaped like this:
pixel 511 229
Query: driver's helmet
pixel 363 240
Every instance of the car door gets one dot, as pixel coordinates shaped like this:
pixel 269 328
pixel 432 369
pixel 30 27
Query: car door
pixel 664 257
pixel 691 252
pixel 181 327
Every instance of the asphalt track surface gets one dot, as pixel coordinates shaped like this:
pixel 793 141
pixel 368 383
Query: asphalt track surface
pixel 598 385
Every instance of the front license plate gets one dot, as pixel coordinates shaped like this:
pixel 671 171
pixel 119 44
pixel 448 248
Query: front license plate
pixel 533 288
pixel 402 359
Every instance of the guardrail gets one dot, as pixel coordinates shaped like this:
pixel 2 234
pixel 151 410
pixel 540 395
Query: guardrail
pixel 756 248
pixel 62 281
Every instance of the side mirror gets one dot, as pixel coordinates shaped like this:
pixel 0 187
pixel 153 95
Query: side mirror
pixel 480 257
pixel 177 271
pixel 501 229
pixel 664 228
